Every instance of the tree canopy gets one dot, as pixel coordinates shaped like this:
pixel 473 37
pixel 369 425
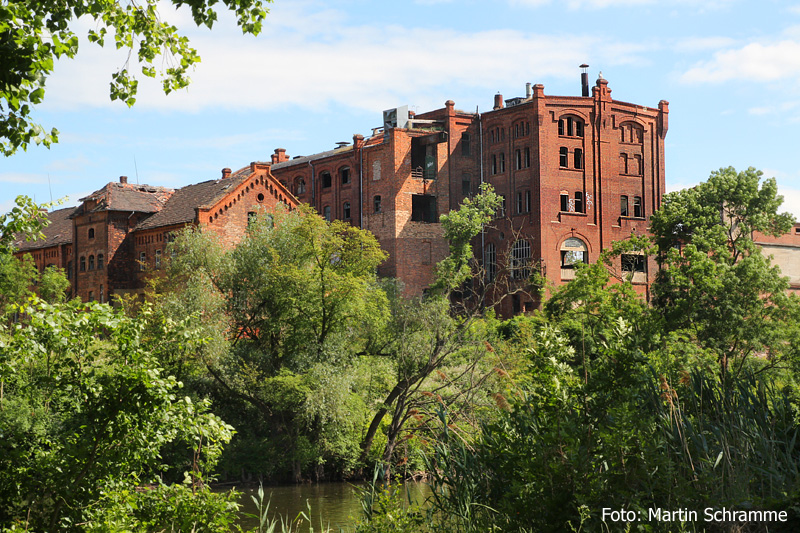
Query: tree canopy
pixel 33 35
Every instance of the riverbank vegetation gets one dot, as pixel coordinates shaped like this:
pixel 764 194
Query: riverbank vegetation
pixel 287 359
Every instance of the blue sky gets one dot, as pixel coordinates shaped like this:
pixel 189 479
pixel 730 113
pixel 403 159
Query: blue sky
pixel 323 71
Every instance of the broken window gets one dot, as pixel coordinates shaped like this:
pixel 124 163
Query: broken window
pixel 423 155
pixel 326 179
pixel 100 261
pixel 344 174
pixel 346 210
pixel 501 162
pixel 494 164
pixel 82 267
pixel 377 203
pixel 633 263
pixel 158 259
pixel 490 262
pixel 300 186
pixel 91 262
pixel 142 260
pixel 465 147
pixel 423 208
pixel 520 259
pixel 638 212
pixel 466 185
pixel 623 206
pixel 573 251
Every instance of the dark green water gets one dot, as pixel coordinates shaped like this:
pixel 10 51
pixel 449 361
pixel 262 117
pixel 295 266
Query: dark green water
pixel 336 503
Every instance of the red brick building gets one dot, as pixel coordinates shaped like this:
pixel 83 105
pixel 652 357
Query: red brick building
pixel 575 172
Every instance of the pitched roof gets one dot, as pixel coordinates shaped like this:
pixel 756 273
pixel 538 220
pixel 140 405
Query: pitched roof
pixel 181 206
pixel 59 231
pixel 128 197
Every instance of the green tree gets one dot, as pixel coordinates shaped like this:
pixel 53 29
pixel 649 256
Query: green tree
pixel 34 34
pixel 713 280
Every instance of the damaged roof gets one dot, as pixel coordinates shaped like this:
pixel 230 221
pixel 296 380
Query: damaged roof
pixel 59 231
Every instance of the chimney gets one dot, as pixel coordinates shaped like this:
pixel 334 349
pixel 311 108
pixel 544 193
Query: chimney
pixel 226 173
pixel 528 91
pixel 584 80
pixel 123 179
pixel 498 101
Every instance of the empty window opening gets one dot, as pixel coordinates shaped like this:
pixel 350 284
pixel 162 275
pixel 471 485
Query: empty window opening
pixel 623 206
pixel 637 165
pixel 344 174
pixel 91 296
pixel 346 210
pixel 494 164
pixel 638 212
pixel 326 179
pixel 501 162
pixel 423 157
pixel 520 259
pixel 251 218
pixel 579 202
pixel 91 233
pixel 377 203
pixel 633 263
pixel 466 185
pixel 91 262
pixel 300 186
pixel 423 208
pixel 564 206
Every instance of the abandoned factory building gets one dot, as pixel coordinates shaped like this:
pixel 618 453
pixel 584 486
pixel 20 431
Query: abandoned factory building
pixel 575 173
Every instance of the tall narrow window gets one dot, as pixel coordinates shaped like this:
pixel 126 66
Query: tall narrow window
pixel 377 203
pixel 520 205
pixel 142 260
pixel 564 202
pixel 578 158
pixel 527 157
pixel 527 201
pixel 563 157
pixel 561 126
pixel 251 218
pixel 494 164
pixel 346 210
pixel 638 212
pixel 490 262
pixel 578 128
pixel 91 262
pixel 326 213
pixel 520 259
pixel 326 179
pixel 91 296
pixel 623 206
pixel 158 259
pixel 637 164
pixel 465 147
pixel 300 186
pixel 466 185
pixel 501 162
pixel 91 233
pixel 518 160
pixel 101 261
pixel 579 202
pixel 82 263
pixel 623 163
pixel 344 174
pixel 102 295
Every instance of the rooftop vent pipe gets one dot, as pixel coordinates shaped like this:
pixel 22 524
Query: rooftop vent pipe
pixel 584 80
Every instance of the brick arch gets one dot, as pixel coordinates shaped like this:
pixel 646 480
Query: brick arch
pixel 577 234
pixel 583 115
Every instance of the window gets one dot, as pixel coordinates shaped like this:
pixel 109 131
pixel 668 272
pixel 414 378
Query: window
pixel 344 174
pixel 69 270
pixel 100 261
pixel 563 155
pixel 564 202
pixel 524 202
pixel 423 208
pixel 142 260
pixel 91 233
pixel 579 202
pixel 82 266
pixel 91 296
pixel 494 164
pixel 527 157
pixel 490 262
pixel 623 163
pixel 520 259
pixel 377 202
pixel 300 186
pixel 91 262
pixel 326 213
pixel 501 209
pixel 423 157
pixel 638 212
pixel 465 147
pixel 623 206
pixel 158 259
pixel 326 179
pixel 518 160
pixel 633 263
pixel 101 293
pixel 573 251
pixel 578 158
pixel 520 207
pixel 570 127
pixel 466 185
pixel 501 162
pixel 637 166
pixel 346 210
pixel 252 216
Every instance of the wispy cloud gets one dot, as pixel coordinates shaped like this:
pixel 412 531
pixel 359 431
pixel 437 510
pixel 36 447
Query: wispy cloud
pixel 754 62
pixel 702 44
pixel 21 178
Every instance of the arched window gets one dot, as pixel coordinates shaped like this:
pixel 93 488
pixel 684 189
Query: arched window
pixel 325 177
pixel 91 262
pixel 91 233
pixel 570 127
pixel 490 262
pixel 326 213
pixel 573 251
pixel 344 174
pixel 300 186
pixel 82 266
pixel 520 259
pixel 100 261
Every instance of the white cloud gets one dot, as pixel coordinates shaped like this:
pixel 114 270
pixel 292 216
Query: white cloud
pixel 317 60
pixel 701 44
pixel 753 62
pixel 22 178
